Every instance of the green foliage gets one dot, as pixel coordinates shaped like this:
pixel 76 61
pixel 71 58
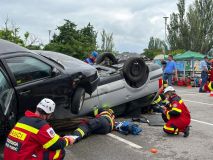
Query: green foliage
pixel 33 47
pixel 107 42
pixel 156 43
pixel 155 47
pixel 177 51
pixel 74 42
pixel 11 35
pixel 151 53
pixel 192 30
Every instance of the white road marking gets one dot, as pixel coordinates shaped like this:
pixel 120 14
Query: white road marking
pixel 124 141
pixel 188 94
pixel 202 122
pixel 198 102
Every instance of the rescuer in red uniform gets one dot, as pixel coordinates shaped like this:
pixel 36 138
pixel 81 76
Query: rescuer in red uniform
pixel 33 138
pixel 176 116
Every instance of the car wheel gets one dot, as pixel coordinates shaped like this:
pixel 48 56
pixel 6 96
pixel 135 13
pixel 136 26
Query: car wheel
pixel 135 72
pixel 78 100
pixel 106 59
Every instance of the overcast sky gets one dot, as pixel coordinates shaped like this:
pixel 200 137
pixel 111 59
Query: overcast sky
pixel 132 22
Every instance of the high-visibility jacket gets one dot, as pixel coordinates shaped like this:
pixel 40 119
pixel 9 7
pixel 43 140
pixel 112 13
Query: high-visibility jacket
pixel 178 115
pixel 33 137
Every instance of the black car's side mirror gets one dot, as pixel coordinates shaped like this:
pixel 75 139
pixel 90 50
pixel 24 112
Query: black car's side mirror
pixel 55 72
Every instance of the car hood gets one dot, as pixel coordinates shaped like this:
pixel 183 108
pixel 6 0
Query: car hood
pixel 70 64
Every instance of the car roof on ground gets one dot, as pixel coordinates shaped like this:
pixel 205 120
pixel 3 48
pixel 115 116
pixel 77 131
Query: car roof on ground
pixel 9 47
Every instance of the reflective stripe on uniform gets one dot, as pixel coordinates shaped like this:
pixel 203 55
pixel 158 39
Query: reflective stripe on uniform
pixel 176 131
pixel 210 86
pixel 168 128
pixel 165 101
pixel 57 154
pixel 177 110
pixel 81 132
pixel 27 127
pixel 67 141
pixel 167 115
pixel 51 142
pixel 105 113
pixel 157 100
pixel 171 129
pixel 95 111
pixel 111 120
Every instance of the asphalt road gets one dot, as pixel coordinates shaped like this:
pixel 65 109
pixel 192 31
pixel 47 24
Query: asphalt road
pixel 198 146
pixel 115 146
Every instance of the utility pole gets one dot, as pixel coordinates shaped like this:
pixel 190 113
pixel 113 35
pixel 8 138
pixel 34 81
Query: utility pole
pixel 49 31
pixel 165 39
pixel 165 18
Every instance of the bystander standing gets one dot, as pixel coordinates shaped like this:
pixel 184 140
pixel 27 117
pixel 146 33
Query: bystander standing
pixel 204 73
pixel 169 69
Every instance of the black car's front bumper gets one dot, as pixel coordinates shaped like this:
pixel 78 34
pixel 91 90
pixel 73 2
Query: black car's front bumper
pixel 91 83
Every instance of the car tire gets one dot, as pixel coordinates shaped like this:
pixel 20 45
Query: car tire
pixel 135 72
pixel 102 57
pixel 77 100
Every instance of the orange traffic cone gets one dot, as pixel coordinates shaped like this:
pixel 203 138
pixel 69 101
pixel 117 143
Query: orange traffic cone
pixel 211 94
pixel 153 150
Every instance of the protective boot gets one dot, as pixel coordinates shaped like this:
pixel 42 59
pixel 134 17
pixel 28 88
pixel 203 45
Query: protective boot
pixel 186 132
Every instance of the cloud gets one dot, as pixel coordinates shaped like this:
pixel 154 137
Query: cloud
pixel 132 22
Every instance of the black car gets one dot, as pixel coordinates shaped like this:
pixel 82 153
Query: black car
pixel 27 77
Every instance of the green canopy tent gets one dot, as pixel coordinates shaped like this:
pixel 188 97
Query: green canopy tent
pixel 189 55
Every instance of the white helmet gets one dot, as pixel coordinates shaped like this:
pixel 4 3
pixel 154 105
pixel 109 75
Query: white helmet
pixel 169 88
pixel 47 105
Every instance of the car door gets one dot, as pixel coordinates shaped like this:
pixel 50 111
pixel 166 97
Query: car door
pixel 33 81
pixel 8 105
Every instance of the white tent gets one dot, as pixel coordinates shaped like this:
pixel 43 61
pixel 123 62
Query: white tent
pixel 160 56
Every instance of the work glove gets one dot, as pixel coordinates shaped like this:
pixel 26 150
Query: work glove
pixel 71 138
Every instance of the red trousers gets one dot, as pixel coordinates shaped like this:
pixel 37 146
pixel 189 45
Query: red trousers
pixel 175 125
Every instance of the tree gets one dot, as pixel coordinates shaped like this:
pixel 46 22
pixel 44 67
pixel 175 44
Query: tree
pixel 156 43
pixel 11 33
pixel 192 30
pixel 88 38
pixel 155 47
pixel 107 42
pixel 32 42
pixel 72 41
